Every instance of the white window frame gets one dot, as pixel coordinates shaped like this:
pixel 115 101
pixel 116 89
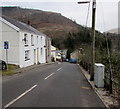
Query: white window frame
pixel 37 39
pixel 32 40
pixel 41 39
pixel 41 51
pixel 27 55
pixel 25 39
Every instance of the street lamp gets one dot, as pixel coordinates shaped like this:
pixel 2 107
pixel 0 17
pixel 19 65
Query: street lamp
pixel 93 36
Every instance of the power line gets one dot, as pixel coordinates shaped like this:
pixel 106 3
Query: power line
pixel 88 14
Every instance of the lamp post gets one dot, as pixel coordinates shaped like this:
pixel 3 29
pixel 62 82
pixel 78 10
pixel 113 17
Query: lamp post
pixel 93 36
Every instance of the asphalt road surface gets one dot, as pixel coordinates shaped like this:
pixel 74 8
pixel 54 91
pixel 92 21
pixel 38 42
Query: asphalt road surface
pixel 55 85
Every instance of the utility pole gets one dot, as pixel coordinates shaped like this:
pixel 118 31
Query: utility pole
pixel 93 36
pixel 93 39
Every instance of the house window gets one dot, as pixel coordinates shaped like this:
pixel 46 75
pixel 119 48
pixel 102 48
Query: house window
pixel 48 43
pixel 41 39
pixel 25 39
pixel 27 55
pixel 41 51
pixel 37 39
pixel 32 40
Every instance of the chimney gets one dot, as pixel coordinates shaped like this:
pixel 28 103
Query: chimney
pixel 28 22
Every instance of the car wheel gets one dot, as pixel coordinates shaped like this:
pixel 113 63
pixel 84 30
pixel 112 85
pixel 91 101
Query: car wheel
pixel 4 67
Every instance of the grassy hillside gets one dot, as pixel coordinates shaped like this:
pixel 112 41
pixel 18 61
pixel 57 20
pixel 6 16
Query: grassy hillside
pixel 55 26
pixel 50 23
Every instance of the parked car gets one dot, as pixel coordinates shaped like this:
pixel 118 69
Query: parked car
pixel 3 65
pixel 73 60
pixel 65 60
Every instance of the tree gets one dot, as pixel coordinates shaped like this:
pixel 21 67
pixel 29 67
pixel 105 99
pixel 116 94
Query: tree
pixel 69 51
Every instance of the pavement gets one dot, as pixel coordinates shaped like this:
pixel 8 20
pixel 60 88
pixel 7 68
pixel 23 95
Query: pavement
pixel 101 92
pixel 53 85
pixel 20 70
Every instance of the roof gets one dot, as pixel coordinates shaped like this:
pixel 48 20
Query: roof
pixel 22 26
pixel 53 48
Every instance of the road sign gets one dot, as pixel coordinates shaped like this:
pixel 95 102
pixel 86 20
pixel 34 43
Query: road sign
pixel 6 45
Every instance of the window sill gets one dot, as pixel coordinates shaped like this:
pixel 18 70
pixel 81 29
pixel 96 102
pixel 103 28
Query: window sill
pixel 27 59
pixel 26 45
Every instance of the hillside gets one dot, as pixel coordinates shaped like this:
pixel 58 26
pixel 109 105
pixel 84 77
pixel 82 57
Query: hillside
pixel 116 31
pixel 52 24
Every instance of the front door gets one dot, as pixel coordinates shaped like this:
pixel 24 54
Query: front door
pixel 37 60
pixel 34 56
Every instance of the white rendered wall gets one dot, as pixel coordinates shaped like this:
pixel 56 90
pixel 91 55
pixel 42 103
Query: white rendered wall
pixel 16 51
pixel 23 48
pixel 35 57
pixel 1 40
pixel 53 52
pixel 42 45
pixel 12 36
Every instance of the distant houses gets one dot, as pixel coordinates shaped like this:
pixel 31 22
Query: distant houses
pixel 27 46
pixel 53 53
pixel 48 49
pixel 75 54
pixel 58 55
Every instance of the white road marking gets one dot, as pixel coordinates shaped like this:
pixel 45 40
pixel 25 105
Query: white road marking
pixel 13 101
pixel 49 75
pixel 59 69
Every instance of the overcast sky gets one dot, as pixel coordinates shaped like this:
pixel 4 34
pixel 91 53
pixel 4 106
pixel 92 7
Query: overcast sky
pixel 106 15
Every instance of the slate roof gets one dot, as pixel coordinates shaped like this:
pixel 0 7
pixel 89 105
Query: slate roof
pixel 22 26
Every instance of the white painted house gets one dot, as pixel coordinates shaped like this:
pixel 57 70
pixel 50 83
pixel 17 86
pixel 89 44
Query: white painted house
pixel 48 49
pixel 26 44
pixel 53 53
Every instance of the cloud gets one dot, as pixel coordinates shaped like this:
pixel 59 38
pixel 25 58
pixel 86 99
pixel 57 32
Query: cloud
pixel 56 0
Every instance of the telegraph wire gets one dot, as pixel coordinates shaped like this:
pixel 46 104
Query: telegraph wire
pixel 88 14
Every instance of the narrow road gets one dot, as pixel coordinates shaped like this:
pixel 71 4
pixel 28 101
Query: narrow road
pixel 55 85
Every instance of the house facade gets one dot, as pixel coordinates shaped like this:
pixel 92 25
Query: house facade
pixel 53 53
pixel 58 55
pixel 26 44
pixel 64 53
pixel 48 49
pixel 75 54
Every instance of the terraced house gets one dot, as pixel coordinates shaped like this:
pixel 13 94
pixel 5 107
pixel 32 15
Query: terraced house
pixel 27 46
